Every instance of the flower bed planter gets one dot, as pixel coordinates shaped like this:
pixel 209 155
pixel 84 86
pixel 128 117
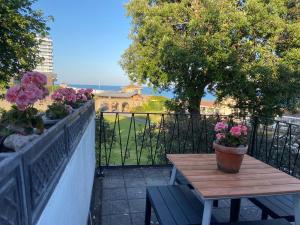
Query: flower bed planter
pixel 28 178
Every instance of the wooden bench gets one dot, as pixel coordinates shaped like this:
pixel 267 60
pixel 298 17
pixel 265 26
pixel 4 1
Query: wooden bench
pixel 276 207
pixel 180 179
pixel 178 205
pixel 173 205
pixel 262 222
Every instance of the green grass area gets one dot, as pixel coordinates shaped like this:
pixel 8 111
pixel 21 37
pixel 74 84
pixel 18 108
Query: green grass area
pixel 154 104
pixel 121 128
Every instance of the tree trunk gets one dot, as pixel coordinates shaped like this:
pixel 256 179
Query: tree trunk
pixel 194 104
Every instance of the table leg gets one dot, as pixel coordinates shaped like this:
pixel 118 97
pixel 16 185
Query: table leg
pixel 235 206
pixel 208 205
pixel 173 176
pixel 297 208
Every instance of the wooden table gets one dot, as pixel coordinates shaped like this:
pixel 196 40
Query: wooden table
pixel 254 179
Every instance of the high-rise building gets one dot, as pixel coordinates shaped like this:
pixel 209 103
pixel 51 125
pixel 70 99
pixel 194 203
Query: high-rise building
pixel 46 53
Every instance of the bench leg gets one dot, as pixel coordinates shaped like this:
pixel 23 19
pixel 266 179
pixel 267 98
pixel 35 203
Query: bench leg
pixel 235 207
pixel 173 176
pixel 297 208
pixel 208 204
pixel 264 215
pixel 148 211
pixel 216 203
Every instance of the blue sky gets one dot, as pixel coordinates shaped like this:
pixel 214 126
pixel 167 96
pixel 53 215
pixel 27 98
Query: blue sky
pixel 89 37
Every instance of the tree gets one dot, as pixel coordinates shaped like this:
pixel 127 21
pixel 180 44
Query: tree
pixel 19 27
pixel 177 44
pixel 265 73
pixel 233 48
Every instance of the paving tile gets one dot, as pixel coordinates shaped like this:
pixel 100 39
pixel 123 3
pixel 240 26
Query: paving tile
pixel 113 183
pixel 154 181
pixel 135 182
pixel 138 218
pixel 105 220
pixel 119 219
pixel 154 172
pixel 135 193
pixel 123 219
pixel 137 205
pixel 224 203
pixel 115 207
pixel 114 194
pixel 250 213
pixel 116 173
pixel 124 190
pixel 133 173
pixel 222 214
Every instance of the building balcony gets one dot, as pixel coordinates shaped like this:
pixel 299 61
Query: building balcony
pixel 91 169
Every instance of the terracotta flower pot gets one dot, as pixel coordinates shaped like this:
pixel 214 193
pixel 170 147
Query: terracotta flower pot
pixel 229 159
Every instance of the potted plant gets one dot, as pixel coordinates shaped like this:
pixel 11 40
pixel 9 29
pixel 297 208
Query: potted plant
pixel 66 96
pixel 22 122
pixel 84 95
pixel 230 146
pixel 55 112
pixel 23 118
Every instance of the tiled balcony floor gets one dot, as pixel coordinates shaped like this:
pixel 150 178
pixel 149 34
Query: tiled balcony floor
pixel 119 197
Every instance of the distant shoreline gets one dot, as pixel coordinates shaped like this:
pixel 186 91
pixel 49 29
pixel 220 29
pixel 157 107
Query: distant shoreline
pixel 145 90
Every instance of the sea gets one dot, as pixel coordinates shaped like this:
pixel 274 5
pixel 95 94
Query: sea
pixel 145 90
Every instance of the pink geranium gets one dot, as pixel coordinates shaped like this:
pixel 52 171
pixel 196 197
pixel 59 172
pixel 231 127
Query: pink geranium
pixel 13 93
pixel 65 94
pixel 244 129
pixel 220 136
pixel 36 78
pixel 220 126
pixel 231 135
pixel 85 94
pixel 236 131
pixel 29 91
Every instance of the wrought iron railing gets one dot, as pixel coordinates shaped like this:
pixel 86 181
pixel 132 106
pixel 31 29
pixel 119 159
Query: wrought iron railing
pixel 146 138
pixel 276 143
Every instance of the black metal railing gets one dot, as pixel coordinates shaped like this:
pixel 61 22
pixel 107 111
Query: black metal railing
pixel 276 143
pixel 146 138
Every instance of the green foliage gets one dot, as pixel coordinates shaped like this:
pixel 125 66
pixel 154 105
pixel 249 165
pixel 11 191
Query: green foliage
pixel 155 104
pixel 22 122
pixel 265 75
pixel 57 111
pixel 53 88
pixel 233 47
pixel 19 27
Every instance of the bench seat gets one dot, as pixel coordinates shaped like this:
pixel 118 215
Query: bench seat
pixel 178 205
pixel 174 205
pixel 276 207
pixel 262 222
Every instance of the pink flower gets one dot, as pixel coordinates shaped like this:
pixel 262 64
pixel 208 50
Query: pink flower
pixel 220 136
pixel 23 100
pixel 30 91
pixel 12 93
pixel 36 78
pixel 236 131
pixel 220 126
pixel 65 94
pixel 244 129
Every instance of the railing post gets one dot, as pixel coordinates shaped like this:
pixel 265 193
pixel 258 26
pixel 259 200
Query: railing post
pixel 100 172
pixel 253 135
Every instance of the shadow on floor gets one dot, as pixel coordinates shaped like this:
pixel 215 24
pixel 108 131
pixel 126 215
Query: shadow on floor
pixel 119 197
